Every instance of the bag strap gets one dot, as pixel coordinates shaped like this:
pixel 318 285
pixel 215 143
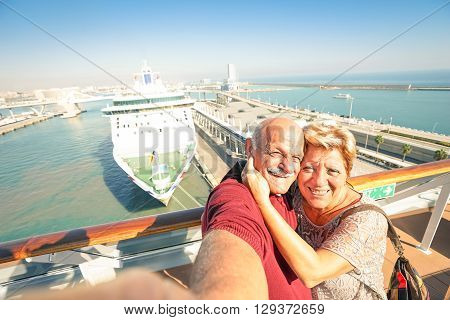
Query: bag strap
pixel 392 234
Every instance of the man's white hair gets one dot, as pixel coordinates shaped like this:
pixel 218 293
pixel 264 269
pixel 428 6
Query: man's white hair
pixel 256 136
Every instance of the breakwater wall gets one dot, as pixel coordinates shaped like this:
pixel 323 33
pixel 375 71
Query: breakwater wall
pixel 355 86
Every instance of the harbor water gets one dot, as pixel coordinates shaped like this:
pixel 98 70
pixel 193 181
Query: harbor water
pixel 423 110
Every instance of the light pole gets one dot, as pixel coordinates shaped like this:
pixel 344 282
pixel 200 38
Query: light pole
pixel 351 106
pixel 390 124
pixel 434 127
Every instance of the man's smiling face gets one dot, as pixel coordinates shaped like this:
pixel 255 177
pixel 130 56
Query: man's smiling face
pixel 278 153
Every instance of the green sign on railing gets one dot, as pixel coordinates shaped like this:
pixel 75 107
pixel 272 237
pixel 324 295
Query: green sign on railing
pixel 381 192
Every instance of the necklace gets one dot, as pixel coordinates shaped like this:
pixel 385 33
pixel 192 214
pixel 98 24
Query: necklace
pixel 323 218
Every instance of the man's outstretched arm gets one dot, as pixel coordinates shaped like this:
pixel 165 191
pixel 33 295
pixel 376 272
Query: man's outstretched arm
pixel 227 267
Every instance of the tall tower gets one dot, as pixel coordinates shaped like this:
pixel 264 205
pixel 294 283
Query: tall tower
pixel 230 84
pixel 231 73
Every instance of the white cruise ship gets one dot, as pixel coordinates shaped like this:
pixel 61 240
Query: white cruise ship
pixel 153 134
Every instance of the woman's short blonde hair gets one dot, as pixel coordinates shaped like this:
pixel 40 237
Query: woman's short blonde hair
pixel 329 137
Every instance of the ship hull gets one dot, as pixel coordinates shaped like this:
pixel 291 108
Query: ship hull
pixel 154 145
pixel 145 183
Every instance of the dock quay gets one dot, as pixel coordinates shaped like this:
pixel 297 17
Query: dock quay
pixel 221 144
pixel 235 116
pixel 212 164
pixel 24 123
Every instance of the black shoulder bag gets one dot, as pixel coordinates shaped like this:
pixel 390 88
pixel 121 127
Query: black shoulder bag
pixel 405 283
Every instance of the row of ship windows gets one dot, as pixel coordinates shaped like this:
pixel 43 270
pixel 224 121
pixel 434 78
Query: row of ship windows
pixel 185 117
pixel 143 101
pixel 160 130
pixel 128 125
pixel 128 111
pixel 142 131
pixel 170 113
pixel 146 110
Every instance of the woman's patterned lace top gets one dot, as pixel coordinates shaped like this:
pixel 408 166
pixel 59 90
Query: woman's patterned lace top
pixel 360 238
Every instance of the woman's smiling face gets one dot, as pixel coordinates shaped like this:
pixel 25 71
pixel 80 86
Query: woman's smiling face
pixel 322 178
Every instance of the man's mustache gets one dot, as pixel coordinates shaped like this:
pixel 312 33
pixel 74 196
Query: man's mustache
pixel 280 172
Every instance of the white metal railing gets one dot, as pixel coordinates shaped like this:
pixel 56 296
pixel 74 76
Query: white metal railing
pixel 409 189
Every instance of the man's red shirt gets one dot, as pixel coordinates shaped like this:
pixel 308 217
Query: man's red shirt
pixel 231 207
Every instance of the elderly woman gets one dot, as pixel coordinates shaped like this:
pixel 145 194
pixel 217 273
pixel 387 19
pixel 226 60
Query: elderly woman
pixel 337 252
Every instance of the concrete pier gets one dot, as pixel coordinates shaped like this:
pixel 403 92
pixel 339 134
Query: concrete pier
pixel 213 166
pixel 233 113
pixel 221 144
pixel 24 123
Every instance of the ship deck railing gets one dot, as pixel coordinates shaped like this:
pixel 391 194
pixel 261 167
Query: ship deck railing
pixel 172 240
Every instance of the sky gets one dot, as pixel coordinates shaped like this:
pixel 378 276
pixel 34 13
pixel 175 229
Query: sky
pixel 192 40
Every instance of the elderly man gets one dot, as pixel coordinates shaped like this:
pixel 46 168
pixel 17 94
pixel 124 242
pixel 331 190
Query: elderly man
pixel 238 258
